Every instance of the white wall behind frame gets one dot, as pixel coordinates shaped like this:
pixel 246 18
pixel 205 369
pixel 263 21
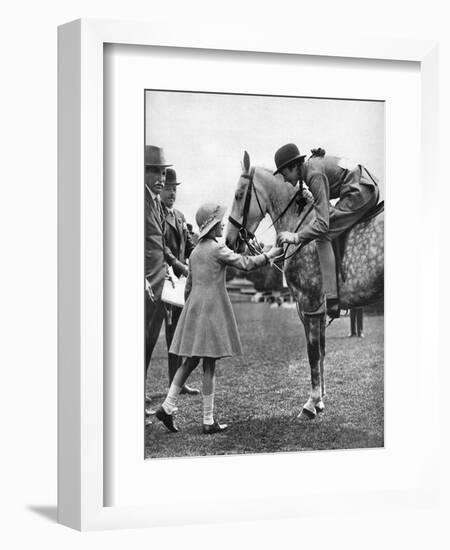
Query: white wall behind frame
pixel 28 41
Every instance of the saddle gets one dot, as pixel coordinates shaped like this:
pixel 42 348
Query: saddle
pixel 339 244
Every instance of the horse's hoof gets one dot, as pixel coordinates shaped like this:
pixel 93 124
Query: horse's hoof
pixel 320 407
pixel 306 414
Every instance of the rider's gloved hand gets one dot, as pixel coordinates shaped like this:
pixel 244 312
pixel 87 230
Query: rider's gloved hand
pixel 307 193
pixel 286 237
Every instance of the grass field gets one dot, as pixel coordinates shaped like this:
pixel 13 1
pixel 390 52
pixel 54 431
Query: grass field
pixel 260 393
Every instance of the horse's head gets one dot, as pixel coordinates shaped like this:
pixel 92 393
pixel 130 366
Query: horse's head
pixel 248 209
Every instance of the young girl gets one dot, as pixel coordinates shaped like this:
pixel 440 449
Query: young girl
pixel 207 327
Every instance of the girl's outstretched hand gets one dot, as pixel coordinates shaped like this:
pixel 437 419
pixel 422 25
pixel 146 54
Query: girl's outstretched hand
pixel 274 252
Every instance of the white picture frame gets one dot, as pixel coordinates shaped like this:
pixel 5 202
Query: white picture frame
pixel 81 484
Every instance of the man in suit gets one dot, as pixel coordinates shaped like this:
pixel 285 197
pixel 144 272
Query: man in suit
pixel 194 236
pixel 157 253
pixel 179 240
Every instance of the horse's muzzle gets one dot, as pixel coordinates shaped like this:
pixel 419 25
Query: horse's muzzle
pixel 237 244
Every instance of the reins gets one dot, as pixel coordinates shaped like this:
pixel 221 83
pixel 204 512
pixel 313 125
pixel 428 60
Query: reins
pixel 247 236
pixel 311 206
pixel 284 211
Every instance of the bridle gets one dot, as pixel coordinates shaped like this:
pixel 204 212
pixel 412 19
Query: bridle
pixel 249 238
pixel 244 234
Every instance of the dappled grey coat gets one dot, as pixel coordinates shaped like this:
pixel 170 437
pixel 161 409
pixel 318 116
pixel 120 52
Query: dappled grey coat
pixel 207 326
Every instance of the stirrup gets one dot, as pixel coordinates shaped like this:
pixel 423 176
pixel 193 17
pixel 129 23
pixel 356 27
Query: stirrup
pixel 333 308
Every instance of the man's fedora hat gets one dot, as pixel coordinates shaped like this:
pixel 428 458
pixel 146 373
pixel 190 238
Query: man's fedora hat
pixel 154 156
pixel 207 216
pixel 285 155
pixel 171 177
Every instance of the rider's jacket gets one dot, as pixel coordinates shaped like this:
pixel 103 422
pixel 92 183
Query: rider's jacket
pixel 327 178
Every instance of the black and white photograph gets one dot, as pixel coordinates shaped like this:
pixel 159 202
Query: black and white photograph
pixel 233 344
pixel 264 274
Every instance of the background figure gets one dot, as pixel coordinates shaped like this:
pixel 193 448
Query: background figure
pixel 194 236
pixel 157 254
pixel 179 240
pixel 356 322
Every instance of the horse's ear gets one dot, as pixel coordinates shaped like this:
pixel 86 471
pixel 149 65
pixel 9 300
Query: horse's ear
pixel 246 161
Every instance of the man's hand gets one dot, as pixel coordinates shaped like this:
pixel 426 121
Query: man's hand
pixel 286 237
pixel 180 269
pixel 149 291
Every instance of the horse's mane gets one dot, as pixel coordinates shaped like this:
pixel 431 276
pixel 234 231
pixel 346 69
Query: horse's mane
pixel 266 172
pixel 279 196
pixel 282 188
pixel 281 192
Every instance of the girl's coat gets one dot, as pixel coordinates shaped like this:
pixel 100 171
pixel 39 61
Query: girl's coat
pixel 207 326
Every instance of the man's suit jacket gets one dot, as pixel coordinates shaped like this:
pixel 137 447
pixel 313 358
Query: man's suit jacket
pixel 177 236
pixel 157 253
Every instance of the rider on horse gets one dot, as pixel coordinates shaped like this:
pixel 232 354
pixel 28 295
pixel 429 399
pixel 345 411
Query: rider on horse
pixel 327 178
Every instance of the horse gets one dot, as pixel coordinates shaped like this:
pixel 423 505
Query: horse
pixel 361 282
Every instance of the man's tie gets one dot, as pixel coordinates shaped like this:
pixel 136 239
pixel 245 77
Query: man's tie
pixel 159 207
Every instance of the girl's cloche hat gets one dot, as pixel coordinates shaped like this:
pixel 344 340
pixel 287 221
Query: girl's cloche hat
pixel 207 216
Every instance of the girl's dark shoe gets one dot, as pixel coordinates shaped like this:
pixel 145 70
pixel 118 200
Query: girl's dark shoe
pixel 166 419
pixel 214 428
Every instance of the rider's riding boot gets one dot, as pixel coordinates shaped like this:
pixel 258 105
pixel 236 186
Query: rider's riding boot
pixel 329 281
pixel 333 308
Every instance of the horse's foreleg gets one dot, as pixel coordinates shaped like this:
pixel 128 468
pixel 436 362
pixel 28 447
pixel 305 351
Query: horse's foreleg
pixel 320 405
pixel 322 354
pixel 313 325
